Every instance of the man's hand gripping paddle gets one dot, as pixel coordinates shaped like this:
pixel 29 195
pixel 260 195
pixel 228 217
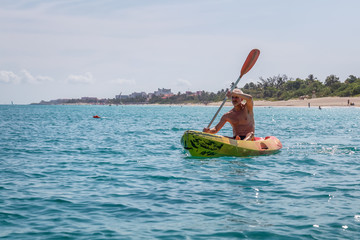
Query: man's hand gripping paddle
pixel 248 64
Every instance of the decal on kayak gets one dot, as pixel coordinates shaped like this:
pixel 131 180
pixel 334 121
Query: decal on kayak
pixel 209 147
pixel 200 144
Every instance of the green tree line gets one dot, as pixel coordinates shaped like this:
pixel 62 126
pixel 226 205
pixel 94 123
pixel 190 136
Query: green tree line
pixel 279 87
pixel 179 98
pixel 284 88
pixel 204 97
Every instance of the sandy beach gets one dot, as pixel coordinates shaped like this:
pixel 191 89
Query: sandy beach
pixel 314 102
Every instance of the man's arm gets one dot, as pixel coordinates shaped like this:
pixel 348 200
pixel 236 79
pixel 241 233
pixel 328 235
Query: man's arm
pixel 217 128
pixel 249 101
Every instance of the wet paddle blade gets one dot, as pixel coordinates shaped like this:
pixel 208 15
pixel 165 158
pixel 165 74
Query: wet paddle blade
pixel 250 61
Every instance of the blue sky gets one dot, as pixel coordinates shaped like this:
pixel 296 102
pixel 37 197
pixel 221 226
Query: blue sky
pixel 70 49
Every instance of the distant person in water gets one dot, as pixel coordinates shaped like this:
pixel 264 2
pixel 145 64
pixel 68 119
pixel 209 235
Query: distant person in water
pixel 241 117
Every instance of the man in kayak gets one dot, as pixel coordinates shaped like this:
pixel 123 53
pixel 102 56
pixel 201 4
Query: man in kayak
pixel 241 117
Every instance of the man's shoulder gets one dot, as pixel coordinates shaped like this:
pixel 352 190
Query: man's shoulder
pixel 229 113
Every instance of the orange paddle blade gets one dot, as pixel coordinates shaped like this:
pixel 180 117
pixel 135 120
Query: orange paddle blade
pixel 250 61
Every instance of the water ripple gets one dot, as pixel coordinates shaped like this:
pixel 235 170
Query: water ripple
pixel 65 175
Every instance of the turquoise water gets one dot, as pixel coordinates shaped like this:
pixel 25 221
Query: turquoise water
pixel 66 175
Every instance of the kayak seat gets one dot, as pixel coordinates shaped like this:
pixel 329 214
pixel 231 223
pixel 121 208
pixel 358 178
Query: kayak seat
pixel 258 138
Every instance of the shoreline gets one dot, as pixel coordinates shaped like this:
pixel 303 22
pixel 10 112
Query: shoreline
pixel 312 102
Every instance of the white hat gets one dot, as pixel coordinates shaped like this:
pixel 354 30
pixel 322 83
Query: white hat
pixel 237 92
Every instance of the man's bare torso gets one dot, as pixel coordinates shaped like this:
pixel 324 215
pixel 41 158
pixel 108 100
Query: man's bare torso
pixel 241 120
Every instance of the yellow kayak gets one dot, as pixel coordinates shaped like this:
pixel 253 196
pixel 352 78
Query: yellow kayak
pixel 200 144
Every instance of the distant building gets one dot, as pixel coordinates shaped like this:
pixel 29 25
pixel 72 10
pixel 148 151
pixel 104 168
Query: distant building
pixel 162 92
pixel 189 93
pixel 159 93
pixel 57 101
pixel 121 96
pixel 138 94
pixel 167 96
pixel 198 93
pixel 89 99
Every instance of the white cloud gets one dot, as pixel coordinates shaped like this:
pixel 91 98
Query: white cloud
pixel 9 77
pixel 183 83
pixel 23 77
pixel 29 78
pixel 123 81
pixel 87 78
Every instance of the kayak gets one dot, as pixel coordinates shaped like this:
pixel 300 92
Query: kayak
pixel 200 144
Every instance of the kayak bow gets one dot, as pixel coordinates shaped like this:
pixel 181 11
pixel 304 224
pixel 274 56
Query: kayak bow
pixel 200 144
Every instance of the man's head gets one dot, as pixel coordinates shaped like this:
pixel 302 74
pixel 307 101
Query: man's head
pixel 236 97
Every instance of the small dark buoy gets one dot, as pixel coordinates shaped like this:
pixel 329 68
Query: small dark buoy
pixel 96 116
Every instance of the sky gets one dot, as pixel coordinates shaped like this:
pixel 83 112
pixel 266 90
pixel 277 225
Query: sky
pixel 81 48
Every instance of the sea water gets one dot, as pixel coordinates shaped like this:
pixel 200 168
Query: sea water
pixel 67 175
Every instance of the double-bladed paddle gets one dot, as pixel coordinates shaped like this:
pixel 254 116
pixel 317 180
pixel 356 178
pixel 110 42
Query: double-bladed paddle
pixel 248 64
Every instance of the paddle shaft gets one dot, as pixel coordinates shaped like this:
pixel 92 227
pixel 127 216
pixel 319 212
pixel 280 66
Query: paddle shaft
pixel 212 120
pixel 248 64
